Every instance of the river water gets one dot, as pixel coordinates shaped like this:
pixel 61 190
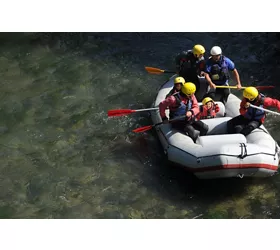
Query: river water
pixel 62 157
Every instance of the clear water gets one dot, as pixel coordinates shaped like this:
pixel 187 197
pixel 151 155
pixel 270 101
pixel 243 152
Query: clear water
pixel 61 157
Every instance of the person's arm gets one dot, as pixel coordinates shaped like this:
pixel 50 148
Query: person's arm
pixel 201 67
pixel 208 79
pixel 195 108
pixel 236 75
pixel 243 109
pixel 269 102
pixel 231 67
pixel 207 76
pixel 217 108
pixel 169 101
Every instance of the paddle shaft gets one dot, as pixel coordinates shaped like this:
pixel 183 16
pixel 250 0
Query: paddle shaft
pixel 234 87
pixel 266 110
pixel 170 121
pixel 123 112
pixel 169 71
pixel 146 128
pixel 140 110
pixel 228 87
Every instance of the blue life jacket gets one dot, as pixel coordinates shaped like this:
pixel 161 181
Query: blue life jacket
pixel 256 114
pixel 219 72
pixel 181 108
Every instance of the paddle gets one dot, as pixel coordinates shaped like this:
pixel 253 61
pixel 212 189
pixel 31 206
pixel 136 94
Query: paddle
pixel 234 87
pixel 145 128
pixel 157 71
pixel 266 110
pixel 122 112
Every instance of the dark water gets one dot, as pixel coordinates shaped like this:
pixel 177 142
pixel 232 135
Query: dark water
pixel 61 157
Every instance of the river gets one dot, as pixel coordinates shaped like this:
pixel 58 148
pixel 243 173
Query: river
pixel 62 157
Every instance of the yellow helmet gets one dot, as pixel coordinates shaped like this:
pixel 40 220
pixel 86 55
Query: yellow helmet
pixel 179 80
pixel 198 50
pixel 188 88
pixel 206 100
pixel 251 93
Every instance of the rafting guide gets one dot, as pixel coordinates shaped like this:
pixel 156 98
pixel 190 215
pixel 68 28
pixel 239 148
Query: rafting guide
pixel 217 73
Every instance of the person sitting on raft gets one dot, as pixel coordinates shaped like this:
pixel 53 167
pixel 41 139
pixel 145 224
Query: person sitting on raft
pixel 184 103
pixel 208 109
pixel 251 118
pixel 178 83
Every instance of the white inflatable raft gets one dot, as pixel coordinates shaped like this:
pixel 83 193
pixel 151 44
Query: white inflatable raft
pixel 218 154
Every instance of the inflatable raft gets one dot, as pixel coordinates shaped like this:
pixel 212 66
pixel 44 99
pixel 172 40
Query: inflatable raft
pixel 218 154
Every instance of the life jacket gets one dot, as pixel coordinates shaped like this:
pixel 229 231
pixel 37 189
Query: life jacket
pixel 219 70
pixel 256 114
pixel 188 66
pixel 181 107
pixel 188 60
pixel 207 113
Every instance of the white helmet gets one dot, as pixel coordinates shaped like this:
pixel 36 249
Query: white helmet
pixel 216 50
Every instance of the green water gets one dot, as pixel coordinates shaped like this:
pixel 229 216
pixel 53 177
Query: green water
pixel 61 157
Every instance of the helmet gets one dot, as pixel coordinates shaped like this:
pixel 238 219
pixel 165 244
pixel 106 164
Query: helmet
pixel 179 80
pixel 216 50
pixel 250 93
pixel 198 50
pixel 206 100
pixel 188 88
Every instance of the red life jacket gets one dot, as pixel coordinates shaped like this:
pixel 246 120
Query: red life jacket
pixel 207 113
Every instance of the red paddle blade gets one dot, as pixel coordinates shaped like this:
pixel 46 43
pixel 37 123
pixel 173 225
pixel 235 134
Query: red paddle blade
pixel 120 112
pixel 264 87
pixel 142 129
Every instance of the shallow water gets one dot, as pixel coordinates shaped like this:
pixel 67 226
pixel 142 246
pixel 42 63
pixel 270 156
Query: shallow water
pixel 61 157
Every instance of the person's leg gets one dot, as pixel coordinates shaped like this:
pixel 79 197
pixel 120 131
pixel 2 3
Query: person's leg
pixel 201 127
pixel 239 128
pixel 250 127
pixel 218 95
pixel 179 125
pixel 234 122
pixel 192 133
pixel 225 95
pixel 211 93
pixel 202 89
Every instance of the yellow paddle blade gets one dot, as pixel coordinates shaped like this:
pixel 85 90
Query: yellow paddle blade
pixel 154 70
